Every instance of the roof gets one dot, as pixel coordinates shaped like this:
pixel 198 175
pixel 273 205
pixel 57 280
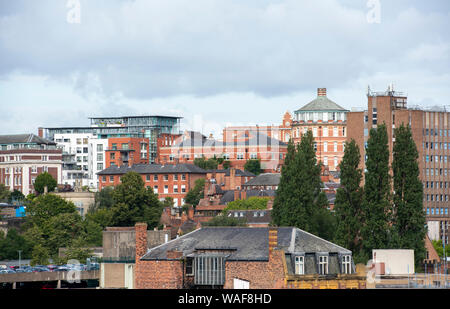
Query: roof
pixel 252 216
pixel 228 196
pixel 24 139
pixel 238 172
pixel 266 179
pixel 153 169
pixel 255 138
pixel 244 243
pixel 321 103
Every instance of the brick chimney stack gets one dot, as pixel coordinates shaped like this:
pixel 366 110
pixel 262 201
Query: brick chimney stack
pixel 191 213
pixel 273 239
pixel 321 92
pixel 232 178
pixel 141 240
pixel 41 132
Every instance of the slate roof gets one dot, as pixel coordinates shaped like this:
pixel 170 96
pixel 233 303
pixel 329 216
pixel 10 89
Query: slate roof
pixel 256 138
pixel 238 172
pixel 153 169
pixel 24 139
pixel 321 103
pixel 243 243
pixel 228 196
pixel 266 179
pixel 252 216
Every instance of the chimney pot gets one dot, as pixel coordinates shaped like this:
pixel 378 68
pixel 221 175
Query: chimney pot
pixel 321 92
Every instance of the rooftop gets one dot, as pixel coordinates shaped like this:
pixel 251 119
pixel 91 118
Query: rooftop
pixel 243 243
pixel 24 139
pixel 153 169
pixel 321 103
pixel 266 179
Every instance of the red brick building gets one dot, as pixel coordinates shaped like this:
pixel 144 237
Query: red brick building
pixel 431 133
pixel 127 150
pixel 240 257
pixel 171 180
pixel 245 145
pixel 23 157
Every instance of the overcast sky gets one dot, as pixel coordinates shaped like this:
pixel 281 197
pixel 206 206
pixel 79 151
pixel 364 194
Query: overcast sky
pixel 213 62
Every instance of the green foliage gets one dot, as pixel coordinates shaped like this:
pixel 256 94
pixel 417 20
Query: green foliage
pixel 377 203
pixel 253 202
pixel 168 202
pixel 348 203
pixel 4 193
pixel 299 196
pixel 408 217
pixel 438 246
pixel 225 221
pixel 45 207
pixel 11 243
pixel 207 164
pixel 40 255
pixel 226 164
pixel 133 202
pixel 103 199
pixel 77 251
pixel 253 166
pixel 16 196
pixel 196 193
pixel 45 180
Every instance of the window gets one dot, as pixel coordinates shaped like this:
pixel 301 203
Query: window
pixel 44 158
pixel 183 188
pixel 189 266
pixel 99 147
pixel 99 156
pixel 166 189
pixel 346 264
pixel 166 177
pixel 34 169
pixel 45 169
pixel 183 176
pixel 325 146
pixel 325 131
pixel 99 166
pixel 85 150
pixel 240 156
pixel 254 156
pixel 114 146
pixel 155 177
pixel 112 155
pixel 299 265
pixel 335 131
pixel 323 265
pixel 155 189
pixel 335 146
pixel 147 177
pixel 104 178
pixel 175 177
pixel 325 161
pixel 111 178
pixel 175 189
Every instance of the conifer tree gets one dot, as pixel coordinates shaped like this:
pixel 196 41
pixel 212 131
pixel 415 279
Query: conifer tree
pixel 408 217
pixel 377 204
pixel 299 197
pixel 348 203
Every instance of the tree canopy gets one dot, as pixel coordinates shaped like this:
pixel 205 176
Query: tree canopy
pixel 253 166
pixel 45 180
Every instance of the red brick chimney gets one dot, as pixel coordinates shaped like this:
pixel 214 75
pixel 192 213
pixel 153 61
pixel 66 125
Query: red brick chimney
pixel 141 240
pixel 236 195
pixel 232 178
pixel 321 92
pixel 243 195
pixel 273 239
pixel 41 132
pixel 191 213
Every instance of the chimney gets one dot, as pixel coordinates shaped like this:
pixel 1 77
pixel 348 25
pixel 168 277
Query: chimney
pixel 184 217
pixel 232 178
pixel 141 240
pixel 41 132
pixel 269 204
pixel 173 254
pixel 191 213
pixel 321 92
pixel 273 239
pixel 243 195
pixel 236 195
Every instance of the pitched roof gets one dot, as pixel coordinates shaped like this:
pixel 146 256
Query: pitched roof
pixel 266 179
pixel 244 243
pixel 153 169
pixel 321 103
pixel 252 216
pixel 238 172
pixel 24 139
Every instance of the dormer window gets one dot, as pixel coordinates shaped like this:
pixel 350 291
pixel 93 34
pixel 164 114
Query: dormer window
pixel 299 265
pixel 346 264
pixel 323 265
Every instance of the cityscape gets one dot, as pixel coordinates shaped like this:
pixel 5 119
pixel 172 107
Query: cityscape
pixel 181 173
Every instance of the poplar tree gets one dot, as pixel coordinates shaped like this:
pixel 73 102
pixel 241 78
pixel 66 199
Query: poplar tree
pixel 348 203
pixel 299 198
pixel 408 217
pixel 377 203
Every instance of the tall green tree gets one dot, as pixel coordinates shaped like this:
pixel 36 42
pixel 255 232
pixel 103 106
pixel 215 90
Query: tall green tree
pixel 377 203
pixel 4 193
pixel 45 180
pixel 196 193
pixel 253 166
pixel 299 196
pixel 408 217
pixel 133 202
pixel 348 204
pixel 12 243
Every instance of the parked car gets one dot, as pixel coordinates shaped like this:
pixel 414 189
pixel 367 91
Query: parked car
pixel 7 271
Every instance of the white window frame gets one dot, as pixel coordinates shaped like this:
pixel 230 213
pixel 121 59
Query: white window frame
pixel 346 264
pixel 299 265
pixel 323 265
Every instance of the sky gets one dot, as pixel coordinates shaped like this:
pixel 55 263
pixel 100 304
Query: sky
pixel 213 62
